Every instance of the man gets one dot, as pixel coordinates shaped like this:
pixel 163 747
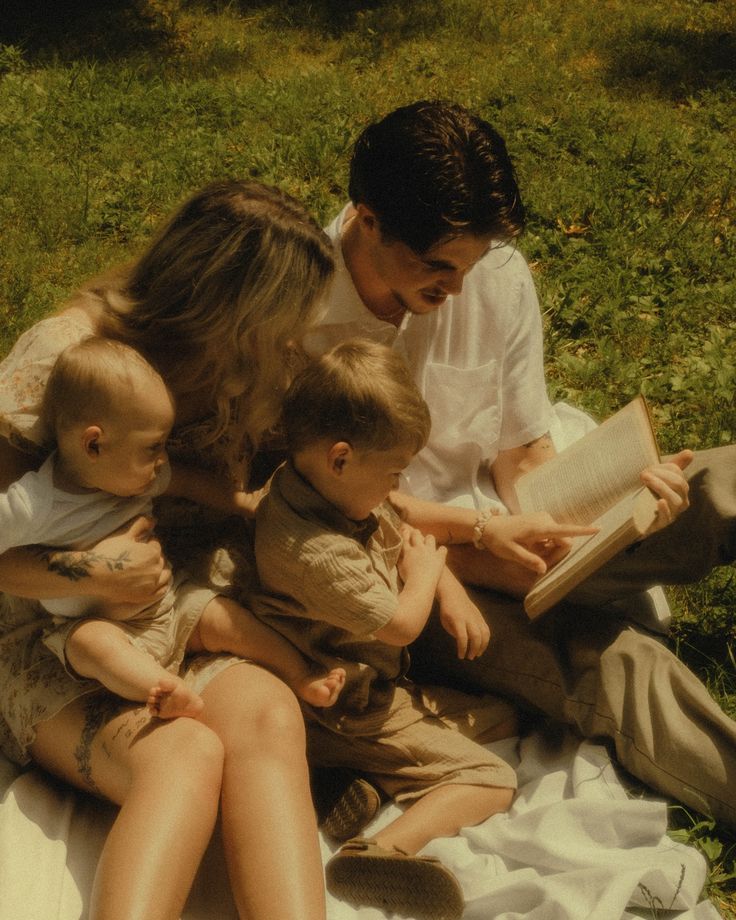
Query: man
pixel 427 263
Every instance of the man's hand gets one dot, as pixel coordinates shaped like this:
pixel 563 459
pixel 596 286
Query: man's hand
pixel 534 541
pixel 668 482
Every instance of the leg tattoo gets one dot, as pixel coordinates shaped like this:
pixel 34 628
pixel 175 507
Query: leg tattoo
pixel 99 709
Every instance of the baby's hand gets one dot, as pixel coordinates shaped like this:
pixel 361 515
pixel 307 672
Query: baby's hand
pixel 535 541
pixel 420 556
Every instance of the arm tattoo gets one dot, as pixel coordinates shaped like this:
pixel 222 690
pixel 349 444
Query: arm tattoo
pixel 75 565
pixel 543 443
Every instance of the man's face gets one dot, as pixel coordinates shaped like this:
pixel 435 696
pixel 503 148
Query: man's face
pixel 421 284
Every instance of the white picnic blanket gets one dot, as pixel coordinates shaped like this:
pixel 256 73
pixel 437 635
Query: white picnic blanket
pixel 573 847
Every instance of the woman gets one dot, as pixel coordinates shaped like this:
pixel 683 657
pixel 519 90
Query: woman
pixel 213 303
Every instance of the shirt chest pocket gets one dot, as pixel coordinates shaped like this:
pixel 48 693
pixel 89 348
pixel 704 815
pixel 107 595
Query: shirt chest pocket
pixel 465 406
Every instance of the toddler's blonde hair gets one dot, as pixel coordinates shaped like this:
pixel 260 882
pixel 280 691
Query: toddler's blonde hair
pixel 359 392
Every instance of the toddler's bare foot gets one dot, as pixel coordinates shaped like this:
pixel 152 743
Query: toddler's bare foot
pixel 322 690
pixel 171 698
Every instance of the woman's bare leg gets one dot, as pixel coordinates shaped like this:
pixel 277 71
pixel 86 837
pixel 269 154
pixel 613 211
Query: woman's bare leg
pixel 165 775
pixel 268 822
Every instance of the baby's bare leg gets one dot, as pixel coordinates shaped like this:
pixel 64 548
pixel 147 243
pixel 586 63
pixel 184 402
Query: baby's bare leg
pixel 225 626
pixel 442 813
pixel 100 649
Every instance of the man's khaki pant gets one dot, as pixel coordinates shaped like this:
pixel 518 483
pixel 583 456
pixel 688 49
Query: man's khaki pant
pixel 585 665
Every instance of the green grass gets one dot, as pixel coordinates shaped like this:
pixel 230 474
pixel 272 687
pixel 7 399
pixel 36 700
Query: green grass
pixel 620 115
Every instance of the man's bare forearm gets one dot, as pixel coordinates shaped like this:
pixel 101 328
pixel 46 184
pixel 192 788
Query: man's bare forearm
pixel 447 523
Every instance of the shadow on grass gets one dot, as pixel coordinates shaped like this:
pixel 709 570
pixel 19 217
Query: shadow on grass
pixel 332 17
pixel 110 29
pixel 88 28
pixel 669 61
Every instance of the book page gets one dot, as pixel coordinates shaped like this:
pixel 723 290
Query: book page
pixel 621 524
pixel 581 482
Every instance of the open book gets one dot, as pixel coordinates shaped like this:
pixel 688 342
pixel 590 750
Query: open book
pixel 594 481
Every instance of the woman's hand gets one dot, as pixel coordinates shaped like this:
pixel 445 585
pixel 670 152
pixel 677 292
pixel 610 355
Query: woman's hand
pixel 535 541
pixel 245 504
pixel 127 567
pixel 668 482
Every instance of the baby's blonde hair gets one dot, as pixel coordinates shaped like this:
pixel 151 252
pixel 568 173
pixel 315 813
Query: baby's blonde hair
pixel 359 392
pixel 89 382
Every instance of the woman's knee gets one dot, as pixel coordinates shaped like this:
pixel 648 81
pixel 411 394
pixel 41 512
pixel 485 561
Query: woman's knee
pixel 252 710
pixel 188 753
pixel 277 721
pixel 188 745
pixel 282 718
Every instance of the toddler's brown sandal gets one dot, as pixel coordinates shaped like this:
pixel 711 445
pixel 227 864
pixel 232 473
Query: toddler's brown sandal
pixel 420 887
pixel 356 808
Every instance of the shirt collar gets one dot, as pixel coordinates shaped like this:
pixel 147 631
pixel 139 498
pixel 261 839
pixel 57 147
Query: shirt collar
pixel 345 303
pixel 306 501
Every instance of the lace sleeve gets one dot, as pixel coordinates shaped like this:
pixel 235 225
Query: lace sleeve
pixel 23 376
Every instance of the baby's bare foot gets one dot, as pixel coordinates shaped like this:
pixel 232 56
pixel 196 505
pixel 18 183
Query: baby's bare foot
pixel 322 690
pixel 171 698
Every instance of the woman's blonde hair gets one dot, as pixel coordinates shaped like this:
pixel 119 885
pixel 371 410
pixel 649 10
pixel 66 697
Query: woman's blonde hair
pixel 360 392
pixel 219 293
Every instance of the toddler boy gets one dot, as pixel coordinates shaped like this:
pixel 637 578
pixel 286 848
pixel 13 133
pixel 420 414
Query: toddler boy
pixel 350 587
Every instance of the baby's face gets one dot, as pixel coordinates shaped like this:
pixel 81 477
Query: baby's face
pixel 132 448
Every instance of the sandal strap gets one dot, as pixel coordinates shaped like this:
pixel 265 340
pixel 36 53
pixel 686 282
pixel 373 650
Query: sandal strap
pixel 369 844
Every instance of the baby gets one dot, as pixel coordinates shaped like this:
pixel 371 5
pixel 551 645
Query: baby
pixel 110 413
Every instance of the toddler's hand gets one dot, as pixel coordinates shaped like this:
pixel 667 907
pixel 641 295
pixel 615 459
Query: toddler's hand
pixel 420 556
pixel 464 622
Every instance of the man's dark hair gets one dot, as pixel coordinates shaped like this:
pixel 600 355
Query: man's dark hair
pixel 432 170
